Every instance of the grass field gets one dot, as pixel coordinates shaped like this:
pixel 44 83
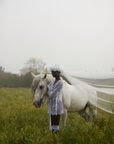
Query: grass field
pixel 22 123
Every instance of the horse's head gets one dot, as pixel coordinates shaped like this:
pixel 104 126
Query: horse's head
pixel 39 88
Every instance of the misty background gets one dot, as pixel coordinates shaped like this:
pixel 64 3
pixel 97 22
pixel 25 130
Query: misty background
pixel 79 35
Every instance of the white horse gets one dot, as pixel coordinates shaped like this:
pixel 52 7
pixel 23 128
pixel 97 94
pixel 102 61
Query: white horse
pixel 72 100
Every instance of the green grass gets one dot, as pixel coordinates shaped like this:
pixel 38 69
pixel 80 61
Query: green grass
pixel 22 123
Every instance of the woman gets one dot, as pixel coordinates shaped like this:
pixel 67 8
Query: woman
pixel 55 105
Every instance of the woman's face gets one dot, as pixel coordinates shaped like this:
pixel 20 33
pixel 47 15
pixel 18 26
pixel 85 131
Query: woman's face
pixel 55 73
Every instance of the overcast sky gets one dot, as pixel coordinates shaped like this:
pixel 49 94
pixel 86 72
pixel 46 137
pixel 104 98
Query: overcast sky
pixel 77 34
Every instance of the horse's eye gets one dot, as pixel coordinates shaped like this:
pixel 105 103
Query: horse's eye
pixel 40 87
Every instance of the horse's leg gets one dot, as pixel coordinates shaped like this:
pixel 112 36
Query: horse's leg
pixel 84 114
pixel 92 110
pixel 64 117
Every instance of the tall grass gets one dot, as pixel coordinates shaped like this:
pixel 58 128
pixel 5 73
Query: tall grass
pixel 22 123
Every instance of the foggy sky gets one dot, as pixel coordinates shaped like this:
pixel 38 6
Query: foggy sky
pixel 77 34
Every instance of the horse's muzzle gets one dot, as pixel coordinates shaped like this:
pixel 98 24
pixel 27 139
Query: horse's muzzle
pixel 38 102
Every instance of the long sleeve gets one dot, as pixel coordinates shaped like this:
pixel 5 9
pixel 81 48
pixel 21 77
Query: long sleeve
pixel 56 89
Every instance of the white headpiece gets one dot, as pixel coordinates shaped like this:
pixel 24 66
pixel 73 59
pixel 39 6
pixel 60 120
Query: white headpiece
pixel 55 68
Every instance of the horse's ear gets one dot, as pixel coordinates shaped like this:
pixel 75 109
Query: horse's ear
pixel 46 70
pixel 45 76
pixel 33 75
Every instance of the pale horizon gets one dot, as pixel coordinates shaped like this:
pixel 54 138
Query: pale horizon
pixel 79 35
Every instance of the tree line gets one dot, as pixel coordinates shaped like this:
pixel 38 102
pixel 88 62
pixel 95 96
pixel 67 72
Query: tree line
pixel 8 79
pixel 24 78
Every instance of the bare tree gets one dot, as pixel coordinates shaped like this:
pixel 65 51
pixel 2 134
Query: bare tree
pixel 34 65
pixel 24 70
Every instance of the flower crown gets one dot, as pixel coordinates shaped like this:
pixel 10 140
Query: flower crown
pixel 55 68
